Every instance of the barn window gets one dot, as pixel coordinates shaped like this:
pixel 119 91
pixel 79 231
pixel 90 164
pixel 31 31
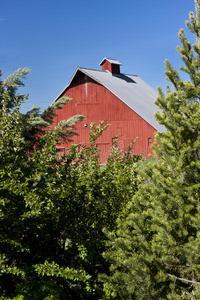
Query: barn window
pixel 149 141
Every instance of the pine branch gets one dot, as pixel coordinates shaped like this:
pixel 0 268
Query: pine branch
pixel 183 279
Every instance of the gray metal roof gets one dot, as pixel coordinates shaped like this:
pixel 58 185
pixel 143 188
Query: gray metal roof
pixel 110 60
pixel 130 89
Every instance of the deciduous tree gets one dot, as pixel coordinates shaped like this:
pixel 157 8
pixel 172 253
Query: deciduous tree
pixel 53 209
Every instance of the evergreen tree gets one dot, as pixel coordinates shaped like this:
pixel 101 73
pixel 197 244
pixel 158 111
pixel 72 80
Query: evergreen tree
pixel 154 253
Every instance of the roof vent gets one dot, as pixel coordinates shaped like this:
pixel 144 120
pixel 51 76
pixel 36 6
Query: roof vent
pixel 111 65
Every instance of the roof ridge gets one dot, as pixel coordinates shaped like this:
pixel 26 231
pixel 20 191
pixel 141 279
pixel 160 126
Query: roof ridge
pixel 107 72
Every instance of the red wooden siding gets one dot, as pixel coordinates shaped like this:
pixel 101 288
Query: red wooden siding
pixel 97 103
pixel 112 68
pixel 107 66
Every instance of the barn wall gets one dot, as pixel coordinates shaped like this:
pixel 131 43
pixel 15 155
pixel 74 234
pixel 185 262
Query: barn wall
pixel 97 103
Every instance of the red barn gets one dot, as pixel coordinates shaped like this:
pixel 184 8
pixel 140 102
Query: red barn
pixel 125 101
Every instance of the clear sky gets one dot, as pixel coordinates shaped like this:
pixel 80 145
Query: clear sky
pixel 53 37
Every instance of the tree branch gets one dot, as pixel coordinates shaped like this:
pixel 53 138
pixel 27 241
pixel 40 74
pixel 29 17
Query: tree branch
pixel 182 279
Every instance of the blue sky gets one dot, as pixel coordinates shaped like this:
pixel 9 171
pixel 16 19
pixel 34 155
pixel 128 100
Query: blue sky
pixel 53 37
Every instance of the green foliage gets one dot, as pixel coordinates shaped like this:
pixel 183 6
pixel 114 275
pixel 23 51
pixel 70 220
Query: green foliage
pixel 11 84
pixel 34 122
pixel 154 252
pixel 53 209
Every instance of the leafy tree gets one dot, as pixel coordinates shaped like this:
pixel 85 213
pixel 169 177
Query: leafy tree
pixel 53 209
pixel 154 253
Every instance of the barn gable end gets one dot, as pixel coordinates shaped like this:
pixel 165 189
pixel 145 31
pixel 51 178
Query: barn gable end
pixel 95 97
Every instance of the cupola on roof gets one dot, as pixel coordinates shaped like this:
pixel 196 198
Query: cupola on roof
pixel 111 65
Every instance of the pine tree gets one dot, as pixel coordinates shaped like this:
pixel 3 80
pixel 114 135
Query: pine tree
pixel 154 254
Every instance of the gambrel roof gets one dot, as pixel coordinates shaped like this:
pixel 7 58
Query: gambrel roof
pixel 130 89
